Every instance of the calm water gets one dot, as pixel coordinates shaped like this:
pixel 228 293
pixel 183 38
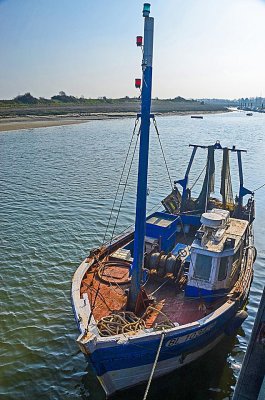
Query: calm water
pixel 57 187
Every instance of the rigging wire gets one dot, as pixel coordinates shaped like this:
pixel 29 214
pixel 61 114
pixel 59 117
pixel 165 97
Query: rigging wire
pixel 122 173
pixel 155 207
pixel 163 153
pixel 117 216
pixel 198 177
pixel 259 187
pixel 125 185
pixel 124 188
pixel 126 182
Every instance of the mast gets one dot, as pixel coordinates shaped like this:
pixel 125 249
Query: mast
pixel 140 220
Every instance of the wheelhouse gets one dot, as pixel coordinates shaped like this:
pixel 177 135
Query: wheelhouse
pixel 216 254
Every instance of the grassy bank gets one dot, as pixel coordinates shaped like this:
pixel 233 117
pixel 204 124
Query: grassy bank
pixel 99 106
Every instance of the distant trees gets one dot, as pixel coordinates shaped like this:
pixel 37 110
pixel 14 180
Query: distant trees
pixel 26 98
pixel 62 96
pixel 180 99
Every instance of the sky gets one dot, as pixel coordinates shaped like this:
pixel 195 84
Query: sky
pixel 202 48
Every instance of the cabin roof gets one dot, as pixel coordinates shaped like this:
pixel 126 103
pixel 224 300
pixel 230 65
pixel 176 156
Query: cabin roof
pixel 235 229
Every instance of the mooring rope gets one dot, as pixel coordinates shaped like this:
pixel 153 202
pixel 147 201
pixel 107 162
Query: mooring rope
pixel 154 366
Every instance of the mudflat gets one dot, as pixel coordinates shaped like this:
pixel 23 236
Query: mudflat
pixel 27 117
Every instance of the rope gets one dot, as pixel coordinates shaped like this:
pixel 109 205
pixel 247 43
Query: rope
pixel 100 295
pixel 120 323
pixel 155 125
pixel 110 279
pixel 161 325
pixel 189 253
pixel 159 287
pixel 154 366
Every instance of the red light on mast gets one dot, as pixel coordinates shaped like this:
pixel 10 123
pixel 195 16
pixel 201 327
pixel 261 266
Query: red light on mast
pixel 138 83
pixel 139 41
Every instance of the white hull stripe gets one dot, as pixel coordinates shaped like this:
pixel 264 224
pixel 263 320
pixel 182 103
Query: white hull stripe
pixel 121 379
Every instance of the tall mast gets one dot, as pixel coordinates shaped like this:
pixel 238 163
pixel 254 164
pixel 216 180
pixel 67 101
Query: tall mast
pixel 140 220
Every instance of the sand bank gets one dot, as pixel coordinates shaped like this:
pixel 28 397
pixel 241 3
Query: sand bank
pixel 31 122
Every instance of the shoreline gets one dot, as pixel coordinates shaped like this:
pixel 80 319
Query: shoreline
pixel 41 121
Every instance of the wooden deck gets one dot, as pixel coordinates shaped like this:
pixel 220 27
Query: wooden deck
pixel 169 301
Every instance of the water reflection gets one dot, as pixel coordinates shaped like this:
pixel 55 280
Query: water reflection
pixel 57 186
pixel 211 377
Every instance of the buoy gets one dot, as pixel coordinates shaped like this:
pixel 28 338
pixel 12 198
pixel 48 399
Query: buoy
pixel 236 322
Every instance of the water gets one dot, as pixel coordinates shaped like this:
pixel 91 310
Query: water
pixel 57 188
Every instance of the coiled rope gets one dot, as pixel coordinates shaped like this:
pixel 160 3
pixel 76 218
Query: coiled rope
pixel 121 322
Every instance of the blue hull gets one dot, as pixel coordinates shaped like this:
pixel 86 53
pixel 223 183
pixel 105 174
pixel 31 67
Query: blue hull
pixel 143 352
pixel 123 362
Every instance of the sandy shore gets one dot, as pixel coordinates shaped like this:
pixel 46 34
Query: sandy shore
pixel 31 122
pixel 40 116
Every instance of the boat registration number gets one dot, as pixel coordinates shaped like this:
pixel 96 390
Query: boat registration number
pixel 189 336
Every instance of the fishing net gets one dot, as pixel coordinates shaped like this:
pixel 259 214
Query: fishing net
pixel 226 182
pixel 208 183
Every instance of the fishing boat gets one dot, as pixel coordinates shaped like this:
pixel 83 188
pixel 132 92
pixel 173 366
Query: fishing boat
pixel 164 293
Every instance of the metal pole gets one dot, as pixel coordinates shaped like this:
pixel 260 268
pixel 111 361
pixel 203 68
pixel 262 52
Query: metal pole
pixel 140 220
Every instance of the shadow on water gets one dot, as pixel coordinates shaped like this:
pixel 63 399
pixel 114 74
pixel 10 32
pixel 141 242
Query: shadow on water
pixel 211 378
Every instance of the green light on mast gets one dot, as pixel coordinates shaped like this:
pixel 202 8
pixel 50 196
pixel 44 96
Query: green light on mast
pixel 146 10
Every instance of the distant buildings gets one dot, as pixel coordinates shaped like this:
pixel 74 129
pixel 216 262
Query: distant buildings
pixel 254 103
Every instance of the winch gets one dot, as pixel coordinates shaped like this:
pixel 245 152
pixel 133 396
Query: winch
pixel 164 263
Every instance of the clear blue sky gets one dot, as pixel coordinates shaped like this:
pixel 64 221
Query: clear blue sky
pixel 203 48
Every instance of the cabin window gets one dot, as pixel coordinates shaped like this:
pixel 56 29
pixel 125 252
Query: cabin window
pixel 223 268
pixel 203 267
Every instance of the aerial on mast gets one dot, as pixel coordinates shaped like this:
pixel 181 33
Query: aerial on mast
pixel 140 220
